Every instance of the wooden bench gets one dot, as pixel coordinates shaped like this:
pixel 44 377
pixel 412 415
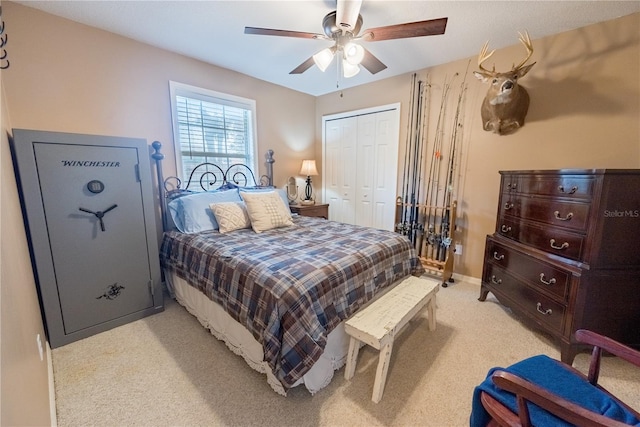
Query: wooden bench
pixel 378 324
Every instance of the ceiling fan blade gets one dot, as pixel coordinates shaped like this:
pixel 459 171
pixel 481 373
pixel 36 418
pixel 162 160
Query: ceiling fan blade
pixel 371 63
pixel 431 27
pixel 303 67
pixel 281 33
pixel 347 12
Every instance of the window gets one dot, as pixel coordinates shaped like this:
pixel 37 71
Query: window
pixel 211 127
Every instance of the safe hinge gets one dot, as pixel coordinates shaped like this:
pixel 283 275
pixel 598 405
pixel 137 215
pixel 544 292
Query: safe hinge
pixel 137 168
pixel 150 283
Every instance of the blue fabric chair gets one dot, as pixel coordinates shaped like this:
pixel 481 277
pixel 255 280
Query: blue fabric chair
pixel 540 391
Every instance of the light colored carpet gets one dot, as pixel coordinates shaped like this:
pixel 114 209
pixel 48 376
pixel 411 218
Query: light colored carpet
pixel 167 370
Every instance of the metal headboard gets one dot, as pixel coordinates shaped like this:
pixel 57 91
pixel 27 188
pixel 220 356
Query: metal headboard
pixel 208 176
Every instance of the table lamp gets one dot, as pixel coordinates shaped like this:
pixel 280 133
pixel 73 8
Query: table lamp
pixel 308 169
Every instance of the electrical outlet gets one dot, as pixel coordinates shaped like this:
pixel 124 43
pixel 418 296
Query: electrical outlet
pixel 458 249
pixel 40 349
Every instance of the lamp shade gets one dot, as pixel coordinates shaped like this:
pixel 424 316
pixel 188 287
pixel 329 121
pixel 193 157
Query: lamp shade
pixel 308 168
pixel 349 70
pixel 323 58
pixel 353 53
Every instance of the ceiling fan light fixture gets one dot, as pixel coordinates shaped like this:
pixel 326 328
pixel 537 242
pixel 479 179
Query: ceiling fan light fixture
pixel 353 53
pixel 349 70
pixel 323 58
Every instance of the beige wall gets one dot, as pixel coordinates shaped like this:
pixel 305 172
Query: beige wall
pixel 24 393
pixel 585 113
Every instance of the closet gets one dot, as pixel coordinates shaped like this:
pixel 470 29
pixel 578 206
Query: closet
pixel 360 166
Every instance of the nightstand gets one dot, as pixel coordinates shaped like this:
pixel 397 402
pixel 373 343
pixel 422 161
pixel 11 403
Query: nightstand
pixel 320 211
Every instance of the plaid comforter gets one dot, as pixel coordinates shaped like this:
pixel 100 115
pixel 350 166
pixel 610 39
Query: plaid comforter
pixel 291 286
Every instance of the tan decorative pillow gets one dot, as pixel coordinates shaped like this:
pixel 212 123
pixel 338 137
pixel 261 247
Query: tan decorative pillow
pixel 266 210
pixel 230 216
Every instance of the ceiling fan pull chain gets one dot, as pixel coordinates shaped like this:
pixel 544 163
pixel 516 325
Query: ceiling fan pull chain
pixel 338 76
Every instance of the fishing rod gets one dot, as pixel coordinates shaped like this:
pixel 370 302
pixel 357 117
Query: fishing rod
pixel 416 145
pixel 433 231
pixel 429 192
pixel 424 132
pixel 420 162
pixel 445 241
pixel 403 225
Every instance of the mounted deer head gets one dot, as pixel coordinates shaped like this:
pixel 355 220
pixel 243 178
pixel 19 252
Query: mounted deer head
pixel 506 103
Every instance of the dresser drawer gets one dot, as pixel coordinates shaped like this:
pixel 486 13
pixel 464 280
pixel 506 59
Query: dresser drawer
pixel 569 215
pixel 533 303
pixel 508 227
pixel 510 183
pixel 547 278
pixel 550 239
pixel 565 186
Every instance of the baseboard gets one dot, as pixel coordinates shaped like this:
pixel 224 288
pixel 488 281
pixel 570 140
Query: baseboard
pixel 458 277
pixel 468 279
pixel 52 388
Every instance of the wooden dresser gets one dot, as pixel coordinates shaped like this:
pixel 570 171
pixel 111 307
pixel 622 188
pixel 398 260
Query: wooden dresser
pixel 565 254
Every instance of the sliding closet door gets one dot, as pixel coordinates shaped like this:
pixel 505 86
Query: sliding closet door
pixel 340 171
pixel 360 167
pixel 377 169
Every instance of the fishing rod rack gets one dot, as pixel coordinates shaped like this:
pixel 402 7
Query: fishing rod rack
pixel 430 235
pixel 427 209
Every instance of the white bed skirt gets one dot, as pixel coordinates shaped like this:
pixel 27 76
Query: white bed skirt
pixel 242 343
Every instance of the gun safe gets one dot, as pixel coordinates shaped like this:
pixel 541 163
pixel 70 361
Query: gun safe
pixel 89 213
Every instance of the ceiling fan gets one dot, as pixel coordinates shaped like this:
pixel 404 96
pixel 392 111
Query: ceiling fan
pixel 342 26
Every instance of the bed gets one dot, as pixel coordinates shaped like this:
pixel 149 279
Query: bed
pixel 275 287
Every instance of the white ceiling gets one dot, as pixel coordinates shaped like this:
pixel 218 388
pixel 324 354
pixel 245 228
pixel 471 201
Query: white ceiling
pixel 213 31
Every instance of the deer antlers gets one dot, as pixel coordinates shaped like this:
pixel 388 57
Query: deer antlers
pixel 483 56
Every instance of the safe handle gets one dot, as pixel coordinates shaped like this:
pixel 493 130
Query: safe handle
pixel 99 214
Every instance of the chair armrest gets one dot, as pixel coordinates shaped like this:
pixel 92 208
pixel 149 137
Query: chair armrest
pixel 609 345
pixel 501 416
pixel 560 407
pixel 599 343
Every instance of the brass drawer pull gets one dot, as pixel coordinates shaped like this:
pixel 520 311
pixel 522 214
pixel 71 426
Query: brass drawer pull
pixel 498 257
pixel 508 205
pixel 546 312
pixel 566 218
pixel 573 189
pixel 552 242
pixel 551 281
pixel 505 229
pixel 495 280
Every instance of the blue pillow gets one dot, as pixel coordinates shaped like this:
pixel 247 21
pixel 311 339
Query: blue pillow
pixel 192 213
